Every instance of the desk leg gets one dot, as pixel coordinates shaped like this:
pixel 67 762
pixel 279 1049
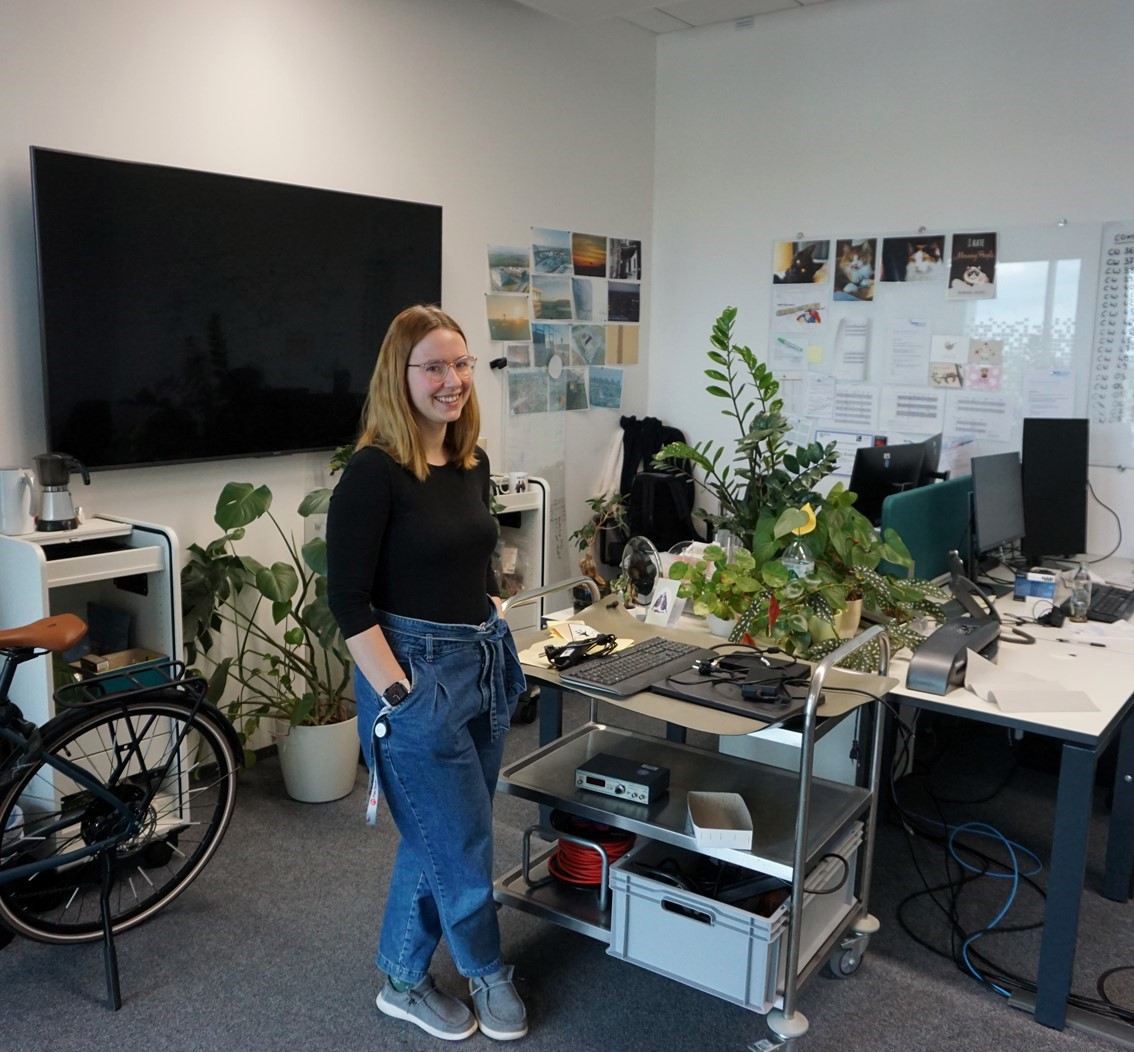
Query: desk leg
pixel 550 714
pixel 1118 883
pixel 1065 888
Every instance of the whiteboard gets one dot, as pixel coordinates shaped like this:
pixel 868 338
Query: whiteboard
pixel 890 366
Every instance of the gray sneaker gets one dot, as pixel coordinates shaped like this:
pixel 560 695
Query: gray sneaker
pixel 427 1007
pixel 498 1007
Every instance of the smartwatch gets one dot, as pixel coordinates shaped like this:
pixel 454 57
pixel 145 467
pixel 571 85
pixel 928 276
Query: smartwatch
pixel 396 692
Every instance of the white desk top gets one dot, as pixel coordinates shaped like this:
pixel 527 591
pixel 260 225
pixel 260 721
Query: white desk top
pixel 1105 673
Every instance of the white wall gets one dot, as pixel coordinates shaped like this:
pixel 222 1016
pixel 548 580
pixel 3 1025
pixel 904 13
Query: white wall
pixel 504 116
pixel 868 116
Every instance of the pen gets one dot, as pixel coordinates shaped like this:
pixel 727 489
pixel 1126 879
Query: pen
pixel 788 343
pixel 1081 643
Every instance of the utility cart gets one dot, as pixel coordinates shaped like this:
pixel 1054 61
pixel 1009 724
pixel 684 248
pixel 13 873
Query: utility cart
pixel 813 835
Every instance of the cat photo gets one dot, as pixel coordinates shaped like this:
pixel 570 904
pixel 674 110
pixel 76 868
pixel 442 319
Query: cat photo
pixel 854 269
pixel 800 262
pixel 972 270
pixel 918 258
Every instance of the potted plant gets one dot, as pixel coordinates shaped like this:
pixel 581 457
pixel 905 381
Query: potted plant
pixel 607 513
pixel 720 588
pixel 766 494
pixel 288 660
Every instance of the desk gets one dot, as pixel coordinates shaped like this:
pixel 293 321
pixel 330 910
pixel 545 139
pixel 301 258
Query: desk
pixel 1107 675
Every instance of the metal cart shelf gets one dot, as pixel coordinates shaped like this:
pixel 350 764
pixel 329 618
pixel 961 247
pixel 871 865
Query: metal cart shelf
pixel 796 818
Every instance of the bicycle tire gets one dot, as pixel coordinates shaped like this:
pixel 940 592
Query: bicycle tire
pixel 127 748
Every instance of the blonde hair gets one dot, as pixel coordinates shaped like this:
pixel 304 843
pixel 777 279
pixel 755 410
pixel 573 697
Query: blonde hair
pixel 388 420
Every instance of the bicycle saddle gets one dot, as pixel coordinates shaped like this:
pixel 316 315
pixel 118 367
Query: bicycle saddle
pixel 56 634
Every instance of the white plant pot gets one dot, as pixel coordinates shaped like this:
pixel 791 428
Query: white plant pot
pixel 847 621
pixel 319 764
pixel 719 626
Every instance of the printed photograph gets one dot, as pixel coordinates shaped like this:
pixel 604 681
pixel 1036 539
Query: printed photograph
pixel 588 253
pixel 507 317
pixel 920 258
pixel 590 342
pixel 590 299
pixel 576 384
pixel 508 269
pixel 519 355
pixel 527 391
pixel 622 344
pixel 606 388
pixel 972 269
pixel 622 300
pixel 854 269
pixel 986 352
pixel 800 262
pixel 551 251
pixel 548 341
pixel 625 259
pixel 551 297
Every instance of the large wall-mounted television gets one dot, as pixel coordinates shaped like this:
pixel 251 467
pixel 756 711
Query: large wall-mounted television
pixel 191 316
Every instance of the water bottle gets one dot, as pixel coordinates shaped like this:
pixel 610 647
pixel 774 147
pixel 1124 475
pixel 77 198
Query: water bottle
pixel 1080 593
pixel 797 560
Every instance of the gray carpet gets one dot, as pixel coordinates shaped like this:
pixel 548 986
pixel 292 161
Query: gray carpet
pixel 272 948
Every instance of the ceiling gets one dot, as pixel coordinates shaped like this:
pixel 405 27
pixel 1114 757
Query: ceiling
pixel 663 17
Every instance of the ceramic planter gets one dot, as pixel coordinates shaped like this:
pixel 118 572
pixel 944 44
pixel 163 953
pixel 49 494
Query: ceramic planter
pixel 319 764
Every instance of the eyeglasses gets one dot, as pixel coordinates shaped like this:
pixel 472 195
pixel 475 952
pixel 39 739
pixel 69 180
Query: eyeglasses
pixel 436 371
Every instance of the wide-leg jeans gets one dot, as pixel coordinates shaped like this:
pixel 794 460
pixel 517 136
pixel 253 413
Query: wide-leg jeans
pixel 437 756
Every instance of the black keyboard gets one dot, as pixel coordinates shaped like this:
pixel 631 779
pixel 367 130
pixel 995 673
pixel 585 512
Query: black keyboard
pixel 632 670
pixel 1109 603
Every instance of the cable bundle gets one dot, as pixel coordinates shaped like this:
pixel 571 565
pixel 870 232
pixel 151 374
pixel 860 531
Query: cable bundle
pixel 580 865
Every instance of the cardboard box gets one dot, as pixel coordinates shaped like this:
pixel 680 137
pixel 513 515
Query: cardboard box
pixel 138 665
pixel 720 820
pixel 1036 583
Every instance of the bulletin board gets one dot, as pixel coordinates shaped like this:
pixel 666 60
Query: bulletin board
pixel 898 336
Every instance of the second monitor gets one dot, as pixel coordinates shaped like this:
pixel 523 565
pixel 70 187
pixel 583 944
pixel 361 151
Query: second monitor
pixel 880 471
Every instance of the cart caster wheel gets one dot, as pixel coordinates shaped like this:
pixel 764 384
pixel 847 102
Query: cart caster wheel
pixel 843 963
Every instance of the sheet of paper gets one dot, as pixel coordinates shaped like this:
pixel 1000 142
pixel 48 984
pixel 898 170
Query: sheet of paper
pixel 980 414
pixel 851 343
pixel 665 604
pixel 1049 392
pixel 908 357
pixel 820 402
pixel 1019 692
pixel 847 442
pixel 788 352
pixel 920 410
pixel 856 406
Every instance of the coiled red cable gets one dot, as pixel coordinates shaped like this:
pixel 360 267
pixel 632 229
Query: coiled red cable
pixel 581 865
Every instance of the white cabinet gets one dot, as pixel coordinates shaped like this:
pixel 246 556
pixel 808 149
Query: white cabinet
pixel 523 547
pixel 132 567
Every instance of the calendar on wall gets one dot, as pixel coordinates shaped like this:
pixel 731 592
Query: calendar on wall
pixel 1111 385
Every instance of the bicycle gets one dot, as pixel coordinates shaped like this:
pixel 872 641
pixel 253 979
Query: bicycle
pixel 115 805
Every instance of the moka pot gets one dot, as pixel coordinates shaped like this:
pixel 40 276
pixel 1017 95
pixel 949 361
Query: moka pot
pixel 56 509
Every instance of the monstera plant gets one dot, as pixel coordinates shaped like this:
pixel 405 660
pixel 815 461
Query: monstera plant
pixel 286 659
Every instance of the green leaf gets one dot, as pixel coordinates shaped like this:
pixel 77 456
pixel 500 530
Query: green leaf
pixel 278 582
pixel 314 554
pixel 317 502
pixel 240 503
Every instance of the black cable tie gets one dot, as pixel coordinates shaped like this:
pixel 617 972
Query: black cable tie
pixel 498 363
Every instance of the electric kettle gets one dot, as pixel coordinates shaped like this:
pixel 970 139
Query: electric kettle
pixel 56 509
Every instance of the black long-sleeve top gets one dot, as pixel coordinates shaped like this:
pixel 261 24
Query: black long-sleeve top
pixel 421 549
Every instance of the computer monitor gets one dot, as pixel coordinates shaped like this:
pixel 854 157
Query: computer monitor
pixel 880 471
pixel 930 472
pixel 998 502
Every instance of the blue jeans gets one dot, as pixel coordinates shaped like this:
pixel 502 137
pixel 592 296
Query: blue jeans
pixel 437 764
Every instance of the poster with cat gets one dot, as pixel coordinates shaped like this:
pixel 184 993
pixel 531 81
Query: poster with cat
pixel 855 269
pixel 972 269
pixel 800 262
pixel 918 258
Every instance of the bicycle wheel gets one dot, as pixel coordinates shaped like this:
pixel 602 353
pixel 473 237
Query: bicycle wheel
pixel 159 850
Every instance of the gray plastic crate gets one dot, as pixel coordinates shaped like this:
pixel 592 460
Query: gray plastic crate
pixel 721 949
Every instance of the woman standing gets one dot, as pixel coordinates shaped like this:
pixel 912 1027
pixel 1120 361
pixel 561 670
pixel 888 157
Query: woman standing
pixel 409 541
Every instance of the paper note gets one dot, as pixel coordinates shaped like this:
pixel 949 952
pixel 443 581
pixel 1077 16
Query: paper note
pixel 1019 692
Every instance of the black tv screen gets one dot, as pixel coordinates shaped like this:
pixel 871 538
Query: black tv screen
pixel 193 316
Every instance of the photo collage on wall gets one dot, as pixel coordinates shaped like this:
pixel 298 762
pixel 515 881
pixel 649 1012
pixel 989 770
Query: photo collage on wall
pixel 838 303
pixel 565 313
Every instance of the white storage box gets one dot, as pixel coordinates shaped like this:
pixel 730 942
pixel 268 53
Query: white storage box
pixel 720 820
pixel 724 950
